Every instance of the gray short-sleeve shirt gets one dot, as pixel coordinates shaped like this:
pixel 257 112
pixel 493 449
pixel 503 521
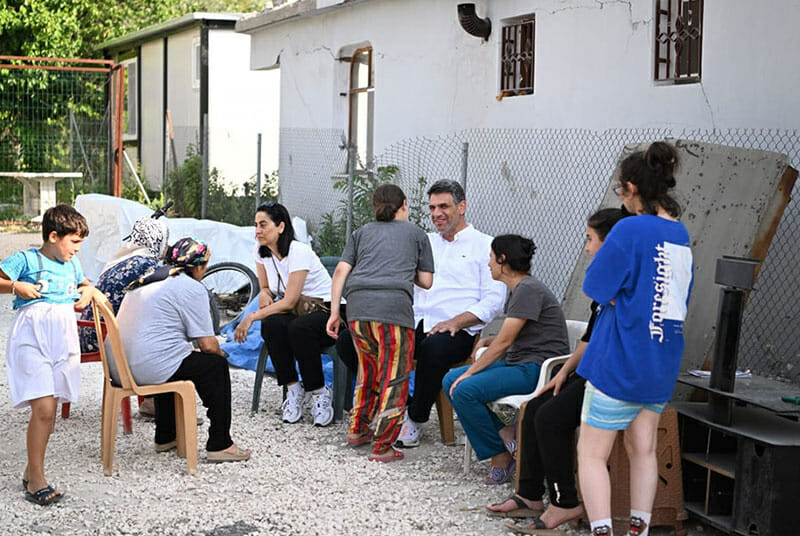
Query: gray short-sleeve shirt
pixel 157 323
pixel 544 334
pixel 385 257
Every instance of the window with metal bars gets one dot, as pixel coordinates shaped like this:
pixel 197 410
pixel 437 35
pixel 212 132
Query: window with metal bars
pixel 678 40
pixel 516 57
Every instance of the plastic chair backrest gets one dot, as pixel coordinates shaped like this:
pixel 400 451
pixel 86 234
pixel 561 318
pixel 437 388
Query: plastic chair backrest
pixel 575 330
pixel 87 357
pixel 102 308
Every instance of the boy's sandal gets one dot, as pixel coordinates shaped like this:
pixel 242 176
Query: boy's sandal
pixel 220 456
pixel 521 510
pixel 45 496
pixel 389 455
pixel 536 526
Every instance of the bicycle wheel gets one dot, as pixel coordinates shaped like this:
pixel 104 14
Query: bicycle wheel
pixel 231 286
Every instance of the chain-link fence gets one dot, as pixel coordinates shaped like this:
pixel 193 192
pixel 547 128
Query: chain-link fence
pixel 53 120
pixel 543 184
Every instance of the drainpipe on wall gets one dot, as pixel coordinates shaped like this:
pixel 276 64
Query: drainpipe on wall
pixel 204 145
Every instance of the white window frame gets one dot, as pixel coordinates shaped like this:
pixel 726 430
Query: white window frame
pixel 132 98
pixel 195 63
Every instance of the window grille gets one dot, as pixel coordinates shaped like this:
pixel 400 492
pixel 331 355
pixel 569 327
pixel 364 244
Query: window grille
pixel 517 54
pixel 678 40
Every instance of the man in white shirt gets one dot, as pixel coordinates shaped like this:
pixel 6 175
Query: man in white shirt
pixel 462 300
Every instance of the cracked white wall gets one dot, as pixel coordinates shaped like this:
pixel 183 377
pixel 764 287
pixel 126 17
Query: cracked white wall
pixel 594 63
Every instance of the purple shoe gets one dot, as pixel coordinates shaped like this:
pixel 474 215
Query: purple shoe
pixel 501 475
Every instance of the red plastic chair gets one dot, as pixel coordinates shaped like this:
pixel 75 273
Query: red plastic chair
pixel 92 357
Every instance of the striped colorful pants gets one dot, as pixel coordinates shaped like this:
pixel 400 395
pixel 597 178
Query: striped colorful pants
pixel 384 364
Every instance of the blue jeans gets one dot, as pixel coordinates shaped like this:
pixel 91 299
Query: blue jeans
pixel 473 394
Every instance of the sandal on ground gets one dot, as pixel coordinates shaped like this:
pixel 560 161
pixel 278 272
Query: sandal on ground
pixel 24 483
pixel 522 509
pixel 166 447
pixel 536 526
pixel 389 455
pixel 220 456
pixel 356 440
pixel 500 475
pixel 45 496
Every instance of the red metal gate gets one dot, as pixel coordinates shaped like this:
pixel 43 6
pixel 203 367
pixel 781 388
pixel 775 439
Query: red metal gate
pixel 41 100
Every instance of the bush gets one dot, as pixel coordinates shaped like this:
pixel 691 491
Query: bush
pixel 331 234
pixel 184 188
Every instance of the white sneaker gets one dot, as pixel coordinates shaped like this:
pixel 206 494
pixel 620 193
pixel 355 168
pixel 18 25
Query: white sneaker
pixel 293 405
pixel 409 434
pixel 321 406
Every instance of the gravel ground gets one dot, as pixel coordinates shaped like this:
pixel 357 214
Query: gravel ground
pixel 300 479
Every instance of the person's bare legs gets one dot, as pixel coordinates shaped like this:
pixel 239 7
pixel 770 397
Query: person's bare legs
pixel 508 505
pixel 43 415
pixel 508 434
pixel 555 515
pixel 641 439
pixel 501 460
pixel 594 448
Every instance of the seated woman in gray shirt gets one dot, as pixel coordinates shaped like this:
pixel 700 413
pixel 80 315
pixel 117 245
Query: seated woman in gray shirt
pixel 509 363
pixel 160 316
pixel 381 262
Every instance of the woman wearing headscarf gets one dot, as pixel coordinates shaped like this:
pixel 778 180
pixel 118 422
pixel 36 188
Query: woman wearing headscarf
pixel 163 313
pixel 143 252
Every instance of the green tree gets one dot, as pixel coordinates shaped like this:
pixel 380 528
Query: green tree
pixel 77 28
pixel 38 107
pixel 331 233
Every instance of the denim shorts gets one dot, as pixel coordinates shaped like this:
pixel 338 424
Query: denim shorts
pixel 602 411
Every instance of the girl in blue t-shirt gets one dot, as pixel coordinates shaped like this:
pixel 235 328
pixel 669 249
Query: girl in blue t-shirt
pixel 642 278
pixel 42 353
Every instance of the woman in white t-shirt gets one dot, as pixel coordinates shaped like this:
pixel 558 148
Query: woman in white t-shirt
pixel 286 269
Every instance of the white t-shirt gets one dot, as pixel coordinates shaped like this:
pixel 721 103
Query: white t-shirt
pixel 301 257
pixel 157 323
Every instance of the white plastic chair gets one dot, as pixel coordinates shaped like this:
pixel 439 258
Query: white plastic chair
pixel 575 330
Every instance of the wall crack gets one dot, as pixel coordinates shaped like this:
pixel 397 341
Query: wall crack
pixel 708 105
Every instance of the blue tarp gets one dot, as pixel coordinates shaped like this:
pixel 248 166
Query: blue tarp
pixel 245 355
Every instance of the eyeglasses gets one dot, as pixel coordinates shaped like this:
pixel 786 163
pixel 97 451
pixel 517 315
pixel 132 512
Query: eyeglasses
pixel 618 189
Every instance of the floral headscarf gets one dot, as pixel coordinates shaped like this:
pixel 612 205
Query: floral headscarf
pixel 188 252
pixel 151 234
pixel 185 253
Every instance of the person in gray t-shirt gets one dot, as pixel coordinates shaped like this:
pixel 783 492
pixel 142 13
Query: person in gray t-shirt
pixel 380 263
pixel 509 363
pixel 162 314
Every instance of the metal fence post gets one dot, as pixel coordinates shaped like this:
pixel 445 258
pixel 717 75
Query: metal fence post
pixel 464 157
pixel 351 169
pixel 204 197
pixel 71 147
pixel 258 171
